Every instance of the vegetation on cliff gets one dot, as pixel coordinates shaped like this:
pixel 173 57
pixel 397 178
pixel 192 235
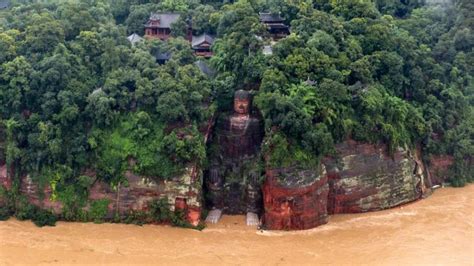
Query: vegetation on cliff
pixel 76 96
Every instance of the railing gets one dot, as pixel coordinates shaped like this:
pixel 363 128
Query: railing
pixel 203 53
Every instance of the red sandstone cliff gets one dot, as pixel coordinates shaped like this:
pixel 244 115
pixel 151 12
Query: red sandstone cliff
pixel 362 177
pixel 365 177
pixel 439 168
pixel 183 191
pixel 295 199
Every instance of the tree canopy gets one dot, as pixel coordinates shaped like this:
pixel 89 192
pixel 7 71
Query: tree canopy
pixel 76 95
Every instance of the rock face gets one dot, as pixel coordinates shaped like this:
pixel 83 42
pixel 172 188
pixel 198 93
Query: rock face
pixel 439 168
pixel 4 180
pixel 5 183
pixel 183 192
pixel 35 196
pixel 295 199
pixel 367 178
pixel 362 177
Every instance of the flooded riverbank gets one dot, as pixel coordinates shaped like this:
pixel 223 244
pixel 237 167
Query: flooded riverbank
pixel 437 230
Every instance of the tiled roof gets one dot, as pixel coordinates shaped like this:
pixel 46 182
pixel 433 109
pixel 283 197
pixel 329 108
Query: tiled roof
pixel 134 38
pixel 270 17
pixel 166 19
pixel 197 40
pixel 163 56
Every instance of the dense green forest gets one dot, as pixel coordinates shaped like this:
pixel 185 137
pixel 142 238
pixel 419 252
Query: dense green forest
pixel 76 95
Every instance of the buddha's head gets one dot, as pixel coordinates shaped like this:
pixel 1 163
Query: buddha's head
pixel 242 102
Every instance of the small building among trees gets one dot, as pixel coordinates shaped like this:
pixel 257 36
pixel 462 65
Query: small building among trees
pixel 134 39
pixel 159 26
pixel 275 25
pixel 162 57
pixel 202 45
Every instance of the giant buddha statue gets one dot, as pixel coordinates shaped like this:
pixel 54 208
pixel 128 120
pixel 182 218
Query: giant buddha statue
pixel 232 182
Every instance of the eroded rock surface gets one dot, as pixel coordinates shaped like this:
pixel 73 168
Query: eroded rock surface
pixel 439 168
pixel 295 199
pixel 182 192
pixel 366 178
pixel 4 180
pixel 362 177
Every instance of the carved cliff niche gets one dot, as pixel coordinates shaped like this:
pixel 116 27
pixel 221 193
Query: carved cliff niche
pixel 232 180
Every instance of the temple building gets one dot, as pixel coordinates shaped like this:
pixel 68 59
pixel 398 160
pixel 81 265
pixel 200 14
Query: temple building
pixel 275 25
pixel 162 57
pixel 134 39
pixel 159 26
pixel 202 45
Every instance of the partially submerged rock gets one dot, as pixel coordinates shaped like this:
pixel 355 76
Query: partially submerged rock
pixel 361 177
pixel 366 177
pixel 295 199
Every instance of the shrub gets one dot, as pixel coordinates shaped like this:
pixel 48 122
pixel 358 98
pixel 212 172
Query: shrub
pixel 281 153
pixel 24 210
pixel 137 217
pixel 5 213
pixel 160 211
pixel 27 211
pixel 6 204
pixel 98 210
pixel 43 217
pixel 73 198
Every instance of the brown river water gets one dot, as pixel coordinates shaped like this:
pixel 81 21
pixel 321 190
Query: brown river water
pixel 437 230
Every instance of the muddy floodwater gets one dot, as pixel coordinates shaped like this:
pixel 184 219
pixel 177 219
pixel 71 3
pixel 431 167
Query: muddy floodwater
pixel 438 230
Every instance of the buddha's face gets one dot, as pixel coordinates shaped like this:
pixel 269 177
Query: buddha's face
pixel 242 105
